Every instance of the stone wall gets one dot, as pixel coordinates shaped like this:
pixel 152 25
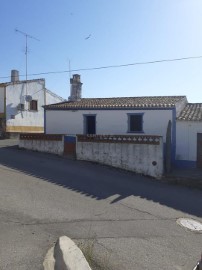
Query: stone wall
pixel 53 144
pixel 142 154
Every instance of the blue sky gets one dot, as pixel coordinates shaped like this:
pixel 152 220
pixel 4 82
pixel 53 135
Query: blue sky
pixel 122 31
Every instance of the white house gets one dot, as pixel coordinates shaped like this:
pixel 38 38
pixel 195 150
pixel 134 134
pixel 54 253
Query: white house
pixel 120 115
pixel 189 136
pixel 21 104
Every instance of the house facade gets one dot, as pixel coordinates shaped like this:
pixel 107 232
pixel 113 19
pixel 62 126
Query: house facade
pixel 189 136
pixel 21 105
pixel 123 115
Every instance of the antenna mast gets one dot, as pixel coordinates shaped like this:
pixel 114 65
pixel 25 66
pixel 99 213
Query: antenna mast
pixel 26 47
pixel 69 69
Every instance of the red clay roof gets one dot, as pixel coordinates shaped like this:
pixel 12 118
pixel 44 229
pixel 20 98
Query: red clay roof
pixel 118 102
pixel 191 112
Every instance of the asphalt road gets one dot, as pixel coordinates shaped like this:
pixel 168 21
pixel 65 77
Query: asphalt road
pixel 131 218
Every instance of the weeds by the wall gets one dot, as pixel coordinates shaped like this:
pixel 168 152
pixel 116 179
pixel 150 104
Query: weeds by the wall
pixel 95 262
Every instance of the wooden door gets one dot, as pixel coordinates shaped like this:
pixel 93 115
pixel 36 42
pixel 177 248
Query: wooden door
pixel 70 146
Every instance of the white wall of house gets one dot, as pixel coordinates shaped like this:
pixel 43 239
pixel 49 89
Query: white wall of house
pixel 27 120
pixel 107 121
pixel 180 106
pixel 186 139
pixel 52 98
pixel 24 120
pixel 1 99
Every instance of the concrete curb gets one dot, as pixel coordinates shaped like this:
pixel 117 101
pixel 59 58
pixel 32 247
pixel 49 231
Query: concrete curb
pixel 65 255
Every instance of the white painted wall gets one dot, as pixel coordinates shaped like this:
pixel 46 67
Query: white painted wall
pixel 52 98
pixel 53 147
pixel 133 157
pixel 16 93
pixel 180 106
pixel 107 121
pixel 186 139
pixel 1 99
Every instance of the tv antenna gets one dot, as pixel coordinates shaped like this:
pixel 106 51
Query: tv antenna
pixel 26 47
pixel 69 68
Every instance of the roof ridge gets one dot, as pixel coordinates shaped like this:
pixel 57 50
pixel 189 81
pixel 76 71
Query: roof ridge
pixel 183 96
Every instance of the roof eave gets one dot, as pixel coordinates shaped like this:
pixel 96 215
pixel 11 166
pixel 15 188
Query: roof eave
pixel 47 107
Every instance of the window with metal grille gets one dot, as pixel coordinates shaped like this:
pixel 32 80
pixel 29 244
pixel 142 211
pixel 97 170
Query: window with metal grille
pixel 135 122
pixel 21 107
pixel 33 105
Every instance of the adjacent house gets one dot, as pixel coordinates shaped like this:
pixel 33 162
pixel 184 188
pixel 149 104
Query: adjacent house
pixel 189 136
pixel 21 105
pixel 119 115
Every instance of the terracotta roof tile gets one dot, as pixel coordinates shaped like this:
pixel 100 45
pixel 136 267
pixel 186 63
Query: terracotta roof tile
pixel 118 102
pixel 191 112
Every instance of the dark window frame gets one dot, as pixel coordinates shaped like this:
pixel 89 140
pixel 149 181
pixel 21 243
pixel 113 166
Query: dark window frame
pixel 32 107
pixel 85 122
pixel 138 129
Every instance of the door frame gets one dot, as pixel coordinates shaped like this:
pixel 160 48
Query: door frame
pixel 85 116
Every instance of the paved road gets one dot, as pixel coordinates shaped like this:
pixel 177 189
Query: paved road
pixel 132 218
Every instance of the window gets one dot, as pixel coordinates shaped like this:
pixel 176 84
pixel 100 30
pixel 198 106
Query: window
pixel 89 124
pixel 33 106
pixel 21 107
pixel 135 122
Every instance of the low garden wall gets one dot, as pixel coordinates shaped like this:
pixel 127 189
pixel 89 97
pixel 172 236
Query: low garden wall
pixel 43 143
pixel 140 153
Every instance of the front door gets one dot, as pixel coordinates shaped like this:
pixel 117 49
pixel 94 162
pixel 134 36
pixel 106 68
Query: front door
pixel 90 124
pixel 199 150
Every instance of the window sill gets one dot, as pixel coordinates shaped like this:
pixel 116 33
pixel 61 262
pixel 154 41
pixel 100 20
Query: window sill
pixel 33 110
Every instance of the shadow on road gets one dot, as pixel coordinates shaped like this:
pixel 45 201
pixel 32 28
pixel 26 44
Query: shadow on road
pixel 100 182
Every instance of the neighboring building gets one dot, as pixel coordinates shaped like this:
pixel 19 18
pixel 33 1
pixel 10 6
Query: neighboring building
pixel 123 115
pixel 189 136
pixel 132 115
pixel 21 105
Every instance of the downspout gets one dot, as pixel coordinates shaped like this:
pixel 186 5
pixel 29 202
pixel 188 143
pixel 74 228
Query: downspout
pixel 44 96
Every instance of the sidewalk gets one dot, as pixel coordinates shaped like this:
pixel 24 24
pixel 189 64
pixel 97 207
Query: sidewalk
pixel 187 177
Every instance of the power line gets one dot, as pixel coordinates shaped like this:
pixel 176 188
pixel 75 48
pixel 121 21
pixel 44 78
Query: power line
pixel 113 66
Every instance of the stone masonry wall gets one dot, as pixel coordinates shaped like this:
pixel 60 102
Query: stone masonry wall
pixel 143 156
pixel 42 143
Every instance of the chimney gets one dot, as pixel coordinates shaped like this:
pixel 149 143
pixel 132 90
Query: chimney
pixel 14 75
pixel 75 90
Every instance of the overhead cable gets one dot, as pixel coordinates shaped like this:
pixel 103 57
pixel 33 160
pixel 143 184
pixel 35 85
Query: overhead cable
pixel 113 66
